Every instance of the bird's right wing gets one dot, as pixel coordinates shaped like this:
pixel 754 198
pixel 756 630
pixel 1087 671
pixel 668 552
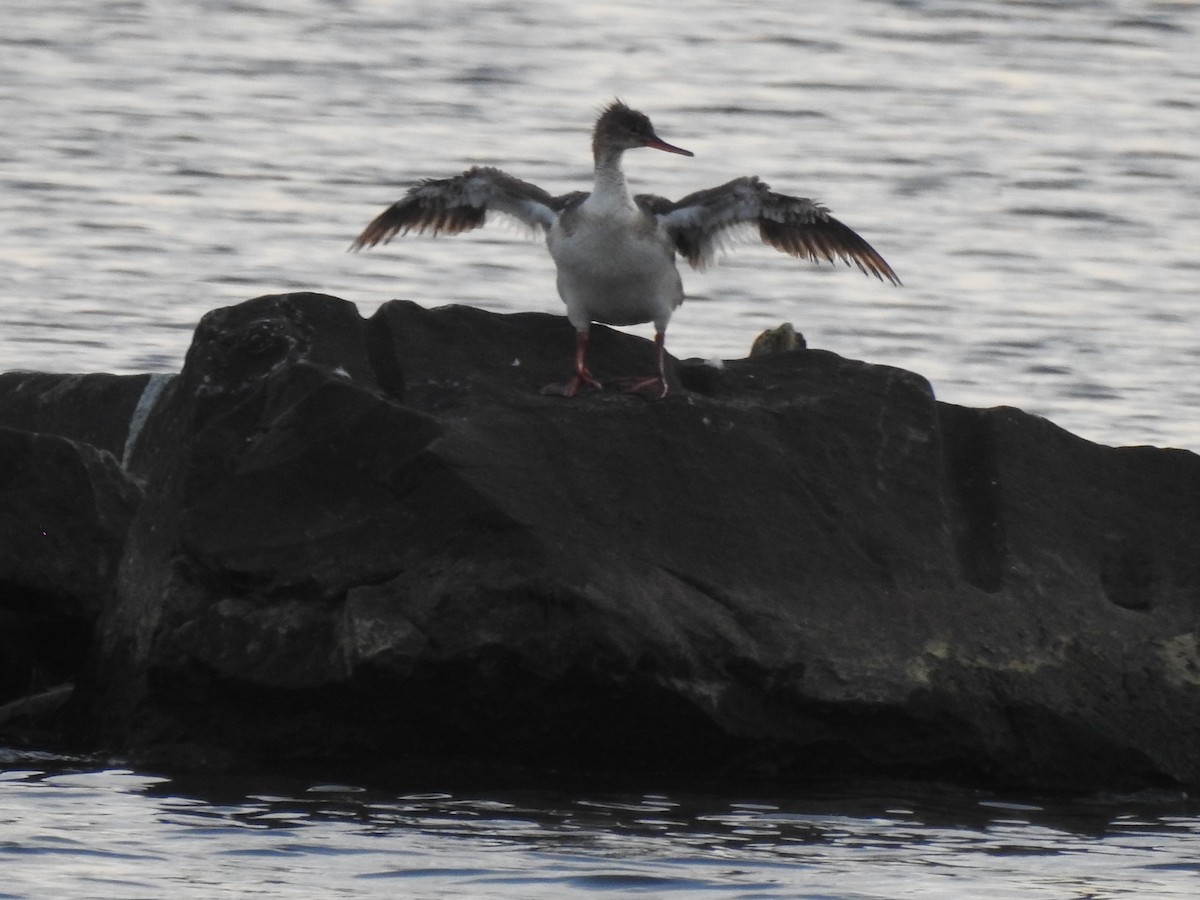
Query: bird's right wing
pixel 458 204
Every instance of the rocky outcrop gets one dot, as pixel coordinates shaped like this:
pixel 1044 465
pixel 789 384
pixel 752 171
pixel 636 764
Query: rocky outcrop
pixel 374 540
pixel 65 507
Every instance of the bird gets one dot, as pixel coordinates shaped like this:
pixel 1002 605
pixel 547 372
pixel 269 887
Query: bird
pixel 615 253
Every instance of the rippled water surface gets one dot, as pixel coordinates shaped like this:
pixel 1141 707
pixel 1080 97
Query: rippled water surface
pixel 1030 169
pixel 104 833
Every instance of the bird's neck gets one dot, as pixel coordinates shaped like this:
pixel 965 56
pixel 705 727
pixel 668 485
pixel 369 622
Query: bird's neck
pixel 609 180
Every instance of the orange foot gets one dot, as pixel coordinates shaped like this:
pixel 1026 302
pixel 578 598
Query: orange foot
pixel 581 379
pixel 652 387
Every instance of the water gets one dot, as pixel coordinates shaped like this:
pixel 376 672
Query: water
pixel 1030 170
pixel 108 832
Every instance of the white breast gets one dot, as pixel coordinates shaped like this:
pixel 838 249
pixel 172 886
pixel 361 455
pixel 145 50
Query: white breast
pixel 615 265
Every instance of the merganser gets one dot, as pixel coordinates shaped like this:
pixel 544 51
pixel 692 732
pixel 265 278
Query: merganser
pixel 615 253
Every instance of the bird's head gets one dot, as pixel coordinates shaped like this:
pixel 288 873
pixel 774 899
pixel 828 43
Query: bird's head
pixel 621 128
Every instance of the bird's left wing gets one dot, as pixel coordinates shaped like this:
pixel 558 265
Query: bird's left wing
pixel 797 226
pixel 458 204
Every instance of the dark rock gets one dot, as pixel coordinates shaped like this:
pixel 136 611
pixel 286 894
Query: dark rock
pixel 65 508
pixel 26 714
pixel 90 409
pixel 375 540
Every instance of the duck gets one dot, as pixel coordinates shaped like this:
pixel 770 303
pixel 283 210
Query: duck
pixel 615 252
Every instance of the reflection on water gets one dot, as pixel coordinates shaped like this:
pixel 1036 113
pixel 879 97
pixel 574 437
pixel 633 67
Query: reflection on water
pixel 83 832
pixel 1028 169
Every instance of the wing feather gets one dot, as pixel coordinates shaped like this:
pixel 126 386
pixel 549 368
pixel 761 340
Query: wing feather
pixel 796 225
pixel 462 203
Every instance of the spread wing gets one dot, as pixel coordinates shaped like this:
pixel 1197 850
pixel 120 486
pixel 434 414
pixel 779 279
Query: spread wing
pixel 699 222
pixel 458 204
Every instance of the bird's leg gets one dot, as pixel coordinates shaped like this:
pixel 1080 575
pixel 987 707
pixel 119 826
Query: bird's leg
pixel 582 377
pixel 653 387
